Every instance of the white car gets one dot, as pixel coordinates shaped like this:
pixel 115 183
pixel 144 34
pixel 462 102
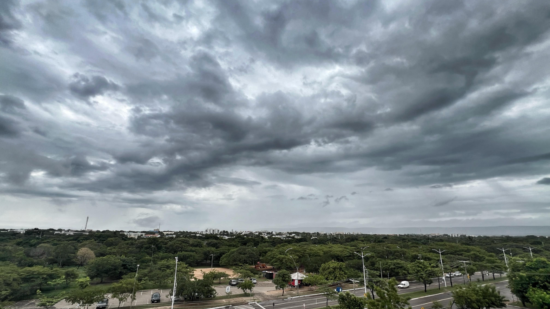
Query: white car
pixel 403 285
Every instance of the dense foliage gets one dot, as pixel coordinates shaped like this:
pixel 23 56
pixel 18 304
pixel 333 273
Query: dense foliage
pixel 42 260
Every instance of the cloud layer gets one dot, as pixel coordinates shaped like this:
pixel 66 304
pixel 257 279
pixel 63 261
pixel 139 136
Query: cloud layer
pixel 220 113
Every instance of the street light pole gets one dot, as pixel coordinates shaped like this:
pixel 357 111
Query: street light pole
pixel 504 253
pixel 441 261
pixel 212 265
pixel 464 262
pixel 530 250
pixel 297 283
pixel 175 284
pixel 362 255
pixel 133 289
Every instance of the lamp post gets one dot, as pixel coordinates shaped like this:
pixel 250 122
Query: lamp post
pixel 134 288
pixel 464 262
pixel 212 265
pixel 504 253
pixel 297 283
pixel 530 250
pixel 175 284
pixel 441 261
pixel 362 255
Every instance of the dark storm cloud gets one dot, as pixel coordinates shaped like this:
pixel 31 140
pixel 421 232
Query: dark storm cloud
pixel 544 181
pixel 11 104
pixel 427 95
pixel 86 87
pixel 8 22
pixel 440 186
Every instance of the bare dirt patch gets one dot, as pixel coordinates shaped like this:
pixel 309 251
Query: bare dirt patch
pixel 198 271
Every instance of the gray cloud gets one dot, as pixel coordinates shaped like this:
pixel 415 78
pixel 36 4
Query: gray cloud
pixel 230 102
pixel 544 181
pixel 148 222
pixel 86 87
pixel 444 202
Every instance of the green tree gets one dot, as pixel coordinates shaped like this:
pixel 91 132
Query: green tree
pixel 122 290
pixel 387 297
pixel 38 276
pixel 103 267
pixel 246 285
pixel 532 274
pixel 85 297
pixel 328 292
pixel 83 283
pixel 476 296
pixel 216 275
pixel 70 275
pixel 539 298
pixel 315 279
pixel 422 272
pixel 333 271
pixel 281 280
pixel 10 281
pixel 471 270
pixel 195 289
pixel 347 300
pixel 243 272
pixel 240 256
pixel 63 253
pixel 47 302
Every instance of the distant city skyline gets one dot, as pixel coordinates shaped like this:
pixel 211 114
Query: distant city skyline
pixel 274 114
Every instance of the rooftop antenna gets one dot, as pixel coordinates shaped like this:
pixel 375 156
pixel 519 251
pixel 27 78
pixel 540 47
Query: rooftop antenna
pixel 86 226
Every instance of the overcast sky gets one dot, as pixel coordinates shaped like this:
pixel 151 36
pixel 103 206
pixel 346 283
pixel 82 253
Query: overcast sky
pixel 273 114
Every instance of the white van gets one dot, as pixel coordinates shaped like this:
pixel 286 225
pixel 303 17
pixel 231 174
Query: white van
pixel 403 285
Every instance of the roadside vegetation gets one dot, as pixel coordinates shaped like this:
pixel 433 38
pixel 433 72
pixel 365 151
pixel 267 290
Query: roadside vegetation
pixel 82 268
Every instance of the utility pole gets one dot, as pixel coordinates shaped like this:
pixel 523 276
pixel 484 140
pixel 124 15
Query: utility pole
pixel 465 271
pixel 152 254
pixel 86 226
pixel 381 270
pixel 362 255
pixel 296 283
pixel 132 297
pixel 504 253
pixel 212 265
pixel 175 284
pixel 441 261
pixel 530 250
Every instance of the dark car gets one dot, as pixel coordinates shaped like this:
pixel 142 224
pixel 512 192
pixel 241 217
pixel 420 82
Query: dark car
pixel 155 298
pixel 102 304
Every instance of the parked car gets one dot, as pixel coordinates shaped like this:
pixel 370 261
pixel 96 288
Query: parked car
pixel 155 298
pixel 233 282
pixel 254 280
pixel 240 280
pixel 103 304
pixel 403 285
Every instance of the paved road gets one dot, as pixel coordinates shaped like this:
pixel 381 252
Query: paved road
pixel 318 301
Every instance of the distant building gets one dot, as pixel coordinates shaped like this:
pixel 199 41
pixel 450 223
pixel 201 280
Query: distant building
pixel 134 234
pixel 151 235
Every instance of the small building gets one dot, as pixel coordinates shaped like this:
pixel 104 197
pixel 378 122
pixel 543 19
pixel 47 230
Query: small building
pixel 134 234
pixel 297 277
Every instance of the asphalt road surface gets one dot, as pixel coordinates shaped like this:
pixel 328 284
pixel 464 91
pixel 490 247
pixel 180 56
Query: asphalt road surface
pixel 318 301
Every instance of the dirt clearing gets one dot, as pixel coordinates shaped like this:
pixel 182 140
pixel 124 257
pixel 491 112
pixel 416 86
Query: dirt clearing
pixel 198 271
